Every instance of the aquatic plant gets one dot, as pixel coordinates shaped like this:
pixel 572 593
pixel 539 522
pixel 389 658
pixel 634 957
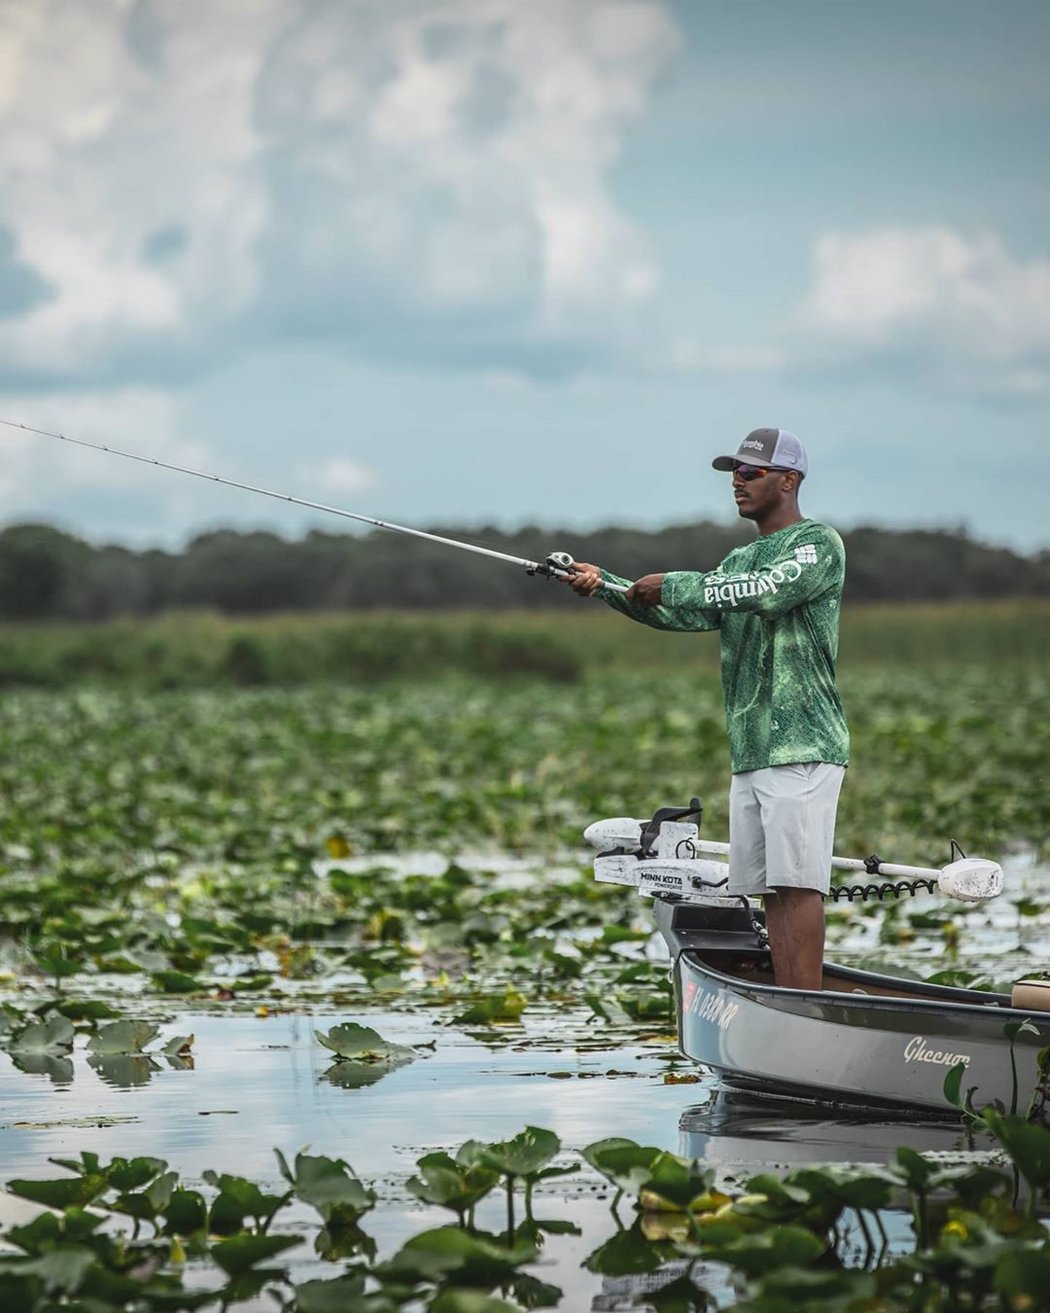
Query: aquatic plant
pixel 782 1242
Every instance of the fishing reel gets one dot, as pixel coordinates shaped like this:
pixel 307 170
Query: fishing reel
pixel 556 565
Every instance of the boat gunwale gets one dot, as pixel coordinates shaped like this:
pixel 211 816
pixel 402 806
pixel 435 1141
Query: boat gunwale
pixel 886 1002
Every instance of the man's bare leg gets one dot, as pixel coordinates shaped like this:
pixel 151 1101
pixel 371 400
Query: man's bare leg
pixel 795 921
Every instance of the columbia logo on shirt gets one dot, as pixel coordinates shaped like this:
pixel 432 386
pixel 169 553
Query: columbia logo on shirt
pixel 806 555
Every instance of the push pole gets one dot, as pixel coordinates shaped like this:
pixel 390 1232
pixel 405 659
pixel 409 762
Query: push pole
pixel 557 565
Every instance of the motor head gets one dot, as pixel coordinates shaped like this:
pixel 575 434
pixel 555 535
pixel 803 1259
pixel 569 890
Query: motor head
pixel 971 880
pixel 616 832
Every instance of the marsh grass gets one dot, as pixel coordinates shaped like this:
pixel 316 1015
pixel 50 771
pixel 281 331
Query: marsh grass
pixel 200 649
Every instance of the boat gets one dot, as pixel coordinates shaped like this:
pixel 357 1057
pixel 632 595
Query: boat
pixel 864 1040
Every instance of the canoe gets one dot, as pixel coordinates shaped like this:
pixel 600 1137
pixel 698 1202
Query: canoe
pixel 864 1040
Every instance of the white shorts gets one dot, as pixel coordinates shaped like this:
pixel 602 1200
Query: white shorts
pixel 782 827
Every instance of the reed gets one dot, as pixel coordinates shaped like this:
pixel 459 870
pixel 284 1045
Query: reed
pixel 201 649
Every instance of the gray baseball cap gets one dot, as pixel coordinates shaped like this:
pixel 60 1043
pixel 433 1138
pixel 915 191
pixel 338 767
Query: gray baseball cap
pixel 776 447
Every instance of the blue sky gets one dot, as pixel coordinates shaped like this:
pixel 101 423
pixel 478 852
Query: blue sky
pixel 480 262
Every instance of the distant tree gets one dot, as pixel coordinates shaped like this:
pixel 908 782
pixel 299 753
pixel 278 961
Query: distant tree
pixel 47 573
pixel 114 583
pixel 40 570
pixel 242 573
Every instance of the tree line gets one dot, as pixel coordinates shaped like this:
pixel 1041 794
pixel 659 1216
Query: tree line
pixel 46 573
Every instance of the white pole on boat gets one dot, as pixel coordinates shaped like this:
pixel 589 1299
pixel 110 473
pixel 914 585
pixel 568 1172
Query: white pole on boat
pixel 969 879
pixel 972 879
pixel 557 565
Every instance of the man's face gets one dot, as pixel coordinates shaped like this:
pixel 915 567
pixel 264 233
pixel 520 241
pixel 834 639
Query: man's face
pixel 758 491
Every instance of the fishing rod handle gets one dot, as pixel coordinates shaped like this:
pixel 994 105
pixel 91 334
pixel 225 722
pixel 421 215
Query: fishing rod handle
pixel 613 588
pixel 560 565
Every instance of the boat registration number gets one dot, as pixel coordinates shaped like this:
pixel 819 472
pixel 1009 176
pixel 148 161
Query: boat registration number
pixel 709 1005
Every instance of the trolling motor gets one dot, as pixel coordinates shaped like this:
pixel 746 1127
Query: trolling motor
pixel 657 856
pixel 665 855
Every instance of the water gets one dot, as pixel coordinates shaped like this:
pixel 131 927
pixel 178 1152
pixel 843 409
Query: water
pixel 259 1082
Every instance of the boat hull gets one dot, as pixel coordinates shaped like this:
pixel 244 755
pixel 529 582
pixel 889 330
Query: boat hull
pixel 853 1044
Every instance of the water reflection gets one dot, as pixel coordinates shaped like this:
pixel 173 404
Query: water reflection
pixel 57 1068
pixel 124 1070
pixel 742 1134
pixel 355 1075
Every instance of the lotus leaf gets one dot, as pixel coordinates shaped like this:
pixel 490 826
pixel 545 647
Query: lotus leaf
pixel 122 1037
pixel 362 1044
pixel 452 1183
pixel 62 1192
pixel 628 1253
pixel 472 1257
pixel 48 1036
pixel 237 1199
pixel 507 1006
pixel 1027 1144
pixel 61 1270
pixel 176 982
pixel 473 1301
pixel 328 1185
pixel 526 1155
pixel 626 1164
pixel 241 1252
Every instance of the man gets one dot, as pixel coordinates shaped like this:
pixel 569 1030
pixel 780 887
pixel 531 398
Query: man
pixel 776 604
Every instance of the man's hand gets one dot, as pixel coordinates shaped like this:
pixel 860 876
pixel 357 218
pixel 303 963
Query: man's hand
pixel 585 579
pixel 647 591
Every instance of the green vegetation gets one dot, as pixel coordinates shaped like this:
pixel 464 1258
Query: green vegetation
pixel 814 1239
pixel 168 843
pixel 197 650
pixel 48 574
pixel 172 789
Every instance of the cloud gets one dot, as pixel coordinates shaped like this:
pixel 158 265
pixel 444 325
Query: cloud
pixel 930 302
pixel 337 476
pixel 137 419
pixel 423 179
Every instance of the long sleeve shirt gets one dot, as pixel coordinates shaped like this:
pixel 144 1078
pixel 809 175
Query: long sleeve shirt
pixel 776 603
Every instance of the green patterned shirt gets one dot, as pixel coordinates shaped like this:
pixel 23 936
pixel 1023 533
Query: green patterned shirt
pixel 776 603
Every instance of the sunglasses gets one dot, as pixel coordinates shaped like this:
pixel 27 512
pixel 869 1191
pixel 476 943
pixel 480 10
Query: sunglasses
pixel 749 472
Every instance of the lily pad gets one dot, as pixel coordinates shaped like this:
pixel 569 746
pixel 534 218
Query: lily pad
pixel 362 1044
pixel 493 1009
pixel 244 1251
pixel 122 1037
pixel 49 1036
pixel 327 1184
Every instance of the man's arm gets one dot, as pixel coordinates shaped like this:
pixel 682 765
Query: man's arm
pixel 806 571
pixel 642 602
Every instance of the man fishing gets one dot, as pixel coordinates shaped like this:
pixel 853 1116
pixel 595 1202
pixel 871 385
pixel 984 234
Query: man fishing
pixel 775 603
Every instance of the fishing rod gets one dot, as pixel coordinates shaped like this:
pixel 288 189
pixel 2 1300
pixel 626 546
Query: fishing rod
pixel 556 565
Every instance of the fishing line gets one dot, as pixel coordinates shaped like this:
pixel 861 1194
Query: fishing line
pixel 557 565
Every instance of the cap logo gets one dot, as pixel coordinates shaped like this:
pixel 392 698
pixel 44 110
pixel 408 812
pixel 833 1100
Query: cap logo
pixel 755 446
